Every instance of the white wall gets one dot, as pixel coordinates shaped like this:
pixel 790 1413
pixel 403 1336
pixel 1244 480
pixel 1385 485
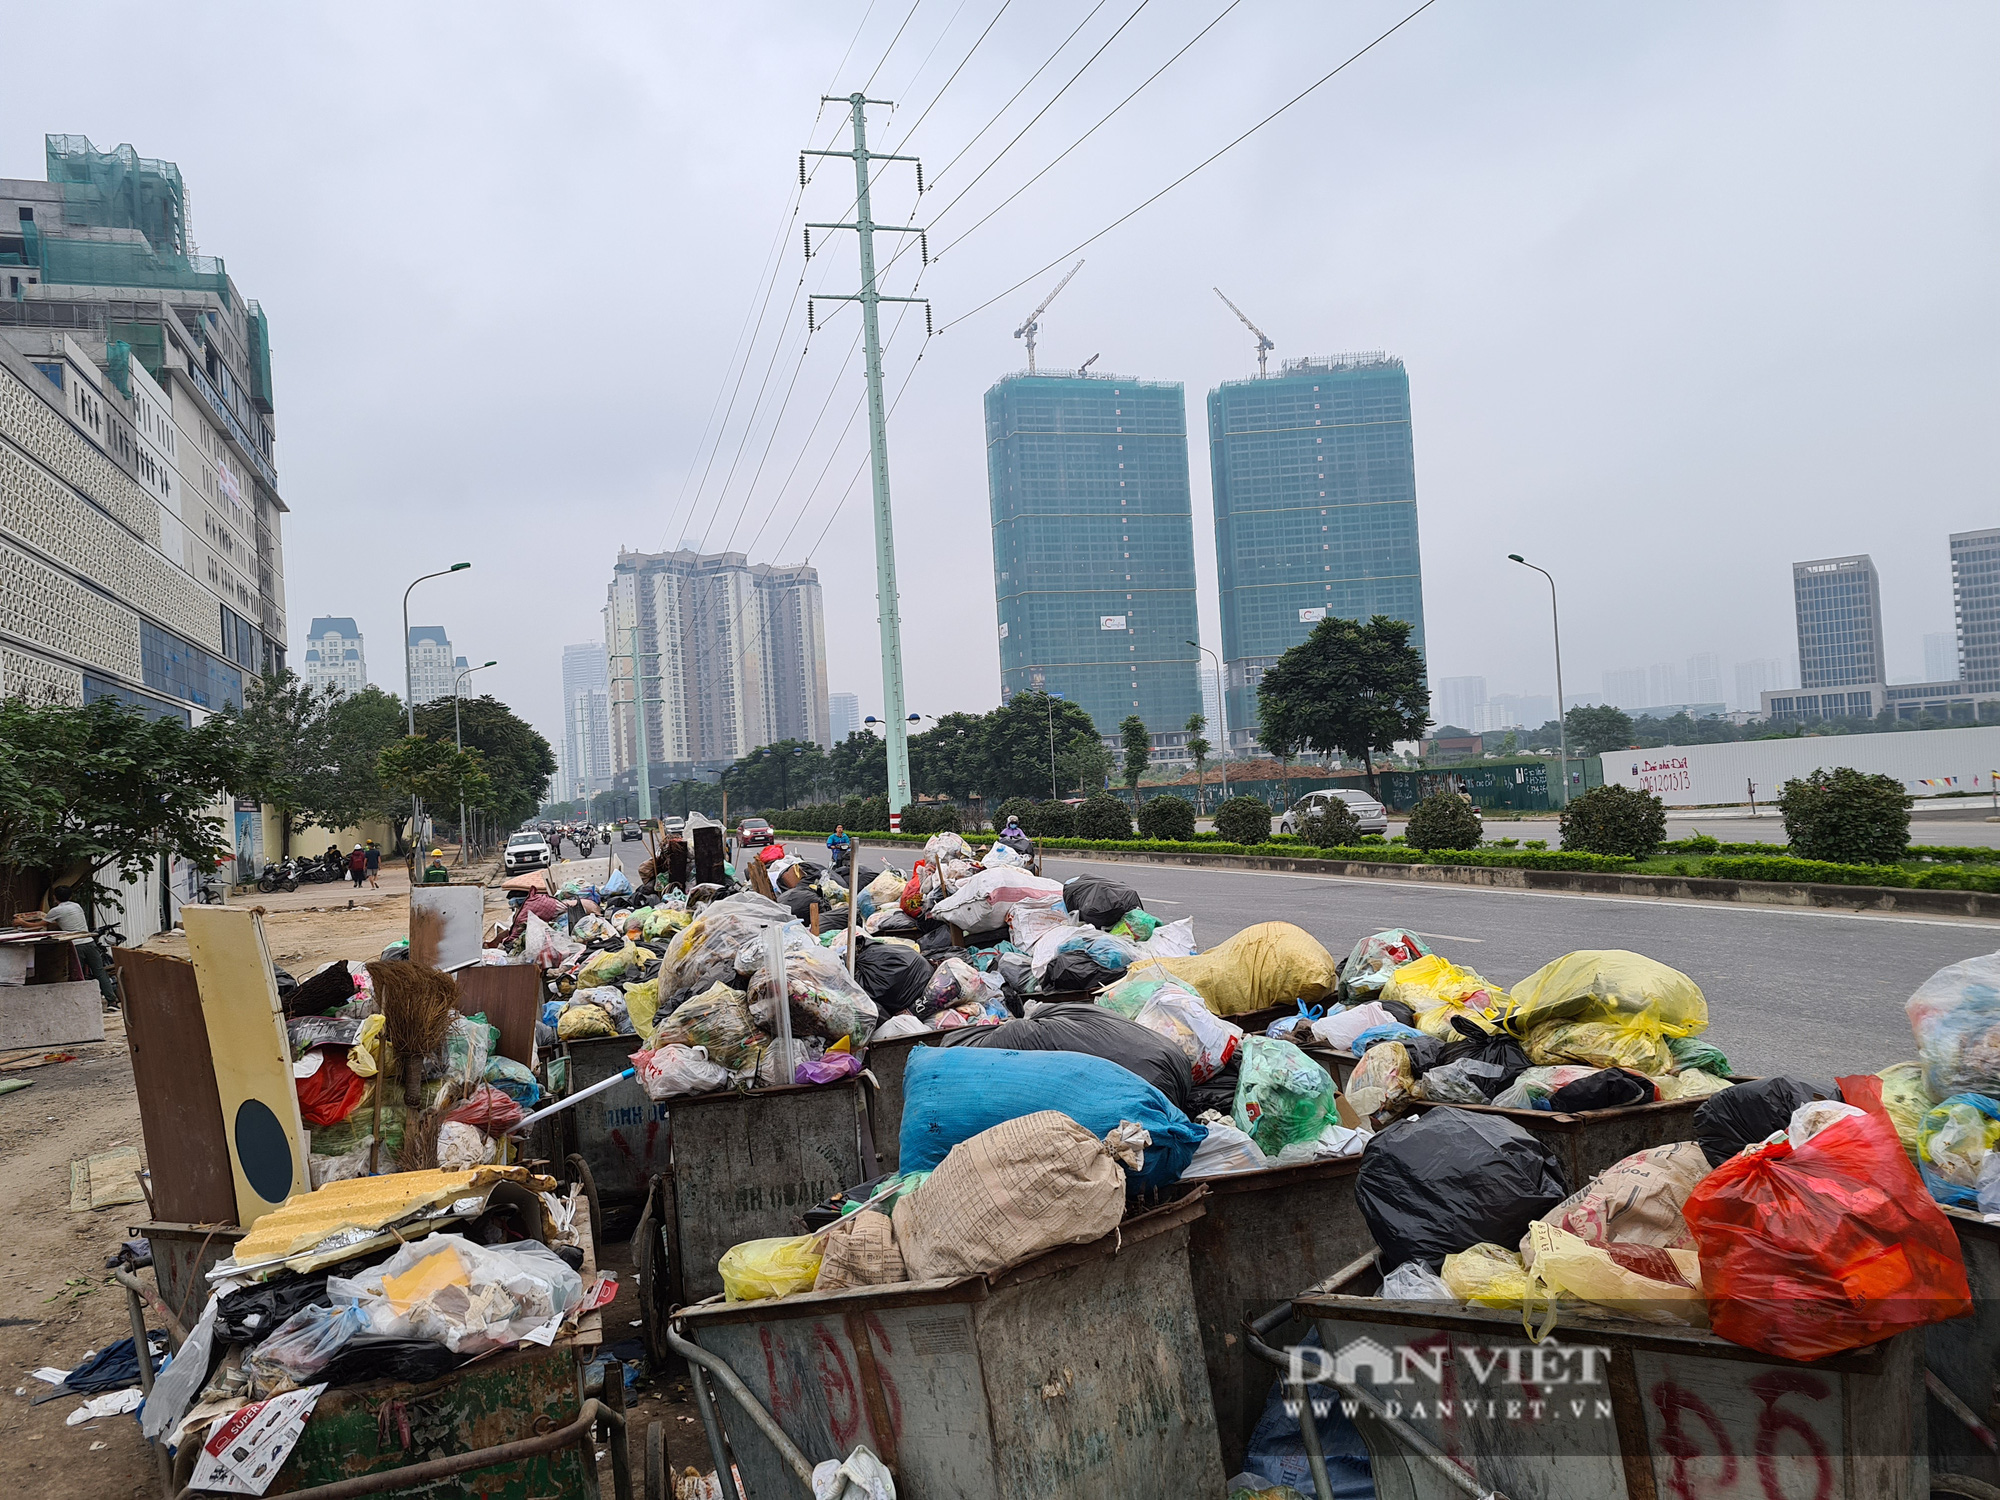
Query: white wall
pixel 1951 760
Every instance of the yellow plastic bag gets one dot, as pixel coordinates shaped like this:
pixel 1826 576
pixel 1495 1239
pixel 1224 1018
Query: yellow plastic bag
pixel 361 1056
pixel 1907 1098
pixel 612 965
pixel 584 1020
pixel 1626 1043
pixel 1382 1078
pixel 642 1004
pixel 1489 1275
pixel 1432 981
pixel 1692 1084
pixel 1601 984
pixel 1259 967
pixel 1627 1280
pixel 1957 1135
pixel 757 1269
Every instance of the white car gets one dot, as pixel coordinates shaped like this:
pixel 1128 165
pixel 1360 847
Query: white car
pixel 527 851
pixel 1372 815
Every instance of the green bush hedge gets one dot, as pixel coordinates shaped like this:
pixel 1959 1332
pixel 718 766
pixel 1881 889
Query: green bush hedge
pixel 1846 816
pixel 1104 817
pixel 1050 820
pixel 1783 867
pixel 1167 817
pixel 1243 820
pixel 1616 819
pixel 1444 820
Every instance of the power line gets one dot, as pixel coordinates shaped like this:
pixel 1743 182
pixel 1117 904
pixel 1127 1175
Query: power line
pixel 904 139
pixel 1046 63
pixel 1088 133
pixel 891 47
pixel 1207 161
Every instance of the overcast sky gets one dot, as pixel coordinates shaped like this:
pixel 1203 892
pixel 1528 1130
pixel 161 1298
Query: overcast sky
pixel 1685 292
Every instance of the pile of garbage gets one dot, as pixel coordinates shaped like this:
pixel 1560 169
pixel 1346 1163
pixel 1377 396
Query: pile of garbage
pixel 401 1277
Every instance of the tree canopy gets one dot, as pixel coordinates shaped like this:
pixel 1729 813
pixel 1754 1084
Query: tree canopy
pixel 1349 688
pixel 1596 729
pixel 1138 747
pixel 516 759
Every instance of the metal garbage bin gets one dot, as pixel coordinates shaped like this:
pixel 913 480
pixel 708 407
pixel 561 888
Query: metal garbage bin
pixel 887 1060
pixel 1610 1409
pixel 1964 1356
pixel 620 1134
pixel 1264 1235
pixel 1078 1373
pixel 1587 1141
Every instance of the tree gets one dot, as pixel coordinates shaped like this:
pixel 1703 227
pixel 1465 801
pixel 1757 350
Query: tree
pixel 1198 749
pixel 107 789
pixel 859 763
pixel 1594 730
pixel 1168 818
pixel 950 757
pixel 359 726
pixel 1614 819
pixel 1018 742
pixel 289 758
pixel 438 773
pixel 1443 820
pixel 1103 816
pixel 1349 688
pixel 1084 764
pixel 1846 816
pixel 516 759
pixel 1243 820
pixel 1138 751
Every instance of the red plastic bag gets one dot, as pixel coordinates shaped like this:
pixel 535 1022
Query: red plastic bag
pixel 488 1110
pixel 1830 1246
pixel 328 1095
pixel 913 891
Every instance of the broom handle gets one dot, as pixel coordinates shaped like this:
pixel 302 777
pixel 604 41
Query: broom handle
pixel 577 1098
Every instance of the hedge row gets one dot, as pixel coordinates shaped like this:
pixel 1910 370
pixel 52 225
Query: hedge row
pixel 1825 872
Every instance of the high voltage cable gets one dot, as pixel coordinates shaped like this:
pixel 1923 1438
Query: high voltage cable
pixel 1086 135
pixel 1207 161
pixel 904 139
pixel 892 46
pixel 1046 64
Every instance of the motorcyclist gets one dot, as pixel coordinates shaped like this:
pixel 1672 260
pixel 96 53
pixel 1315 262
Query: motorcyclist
pixel 1015 837
pixel 840 848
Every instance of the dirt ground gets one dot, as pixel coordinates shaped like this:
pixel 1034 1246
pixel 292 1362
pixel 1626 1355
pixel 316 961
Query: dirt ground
pixel 58 1303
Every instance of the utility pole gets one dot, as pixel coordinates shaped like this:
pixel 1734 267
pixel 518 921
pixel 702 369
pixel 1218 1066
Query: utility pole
pixel 888 611
pixel 639 712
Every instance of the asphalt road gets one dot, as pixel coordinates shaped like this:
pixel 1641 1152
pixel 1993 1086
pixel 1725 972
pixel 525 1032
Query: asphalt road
pixel 1811 993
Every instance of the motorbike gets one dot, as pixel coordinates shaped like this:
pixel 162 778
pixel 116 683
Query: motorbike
pixel 279 876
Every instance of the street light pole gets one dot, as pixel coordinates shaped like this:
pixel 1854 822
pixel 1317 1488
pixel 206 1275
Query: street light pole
pixel 409 684
pixel 1221 712
pixel 1562 716
pixel 458 739
pixel 1051 697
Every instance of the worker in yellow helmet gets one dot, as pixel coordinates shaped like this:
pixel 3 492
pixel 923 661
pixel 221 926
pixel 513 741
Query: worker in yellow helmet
pixel 435 872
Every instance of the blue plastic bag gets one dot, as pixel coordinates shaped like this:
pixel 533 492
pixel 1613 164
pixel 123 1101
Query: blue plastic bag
pixel 1277 1449
pixel 1395 1031
pixel 514 1080
pixel 951 1094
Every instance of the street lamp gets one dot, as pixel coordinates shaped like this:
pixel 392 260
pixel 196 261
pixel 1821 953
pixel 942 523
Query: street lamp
pixel 1221 712
pixel 1562 719
pixel 409 688
pixel 458 739
pixel 1052 745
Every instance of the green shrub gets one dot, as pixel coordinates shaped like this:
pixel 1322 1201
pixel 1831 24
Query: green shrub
pixel 1104 817
pixel 1782 867
pixel 1701 843
pixel 1332 826
pixel 1444 820
pixel 871 815
pixel 1050 820
pixel 1615 819
pixel 1243 820
pixel 1846 816
pixel 1537 844
pixel 1022 808
pixel 1167 817
pixel 1371 838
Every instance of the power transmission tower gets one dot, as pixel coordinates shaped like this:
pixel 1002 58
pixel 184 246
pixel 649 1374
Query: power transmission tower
pixel 888 612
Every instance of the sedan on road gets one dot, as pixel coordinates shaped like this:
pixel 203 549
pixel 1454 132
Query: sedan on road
pixel 754 833
pixel 527 851
pixel 1373 817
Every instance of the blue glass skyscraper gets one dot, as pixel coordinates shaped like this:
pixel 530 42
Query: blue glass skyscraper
pixel 1093 545
pixel 1315 491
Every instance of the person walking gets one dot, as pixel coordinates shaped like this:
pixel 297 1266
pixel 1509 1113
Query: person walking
pixel 67 916
pixel 374 866
pixel 357 866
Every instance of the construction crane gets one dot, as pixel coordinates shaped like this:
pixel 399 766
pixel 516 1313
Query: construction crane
pixel 1084 368
pixel 1264 344
pixel 1029 329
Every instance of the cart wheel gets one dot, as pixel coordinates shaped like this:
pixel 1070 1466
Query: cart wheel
pixel 657 1485
pixel 579 1171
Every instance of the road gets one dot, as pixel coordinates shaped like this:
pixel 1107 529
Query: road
pixel 1813 993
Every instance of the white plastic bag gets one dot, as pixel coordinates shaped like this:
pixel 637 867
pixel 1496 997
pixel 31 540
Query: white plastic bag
pixel 539 942
pixel 1810 1118
pixel 1179 1016
pixel 461 1147
pixel 1342 1027
pixel 468 1297
pixel 1001 855
pixel 993 893
pixel 862 1477
pixel 673 1070
pixel 1413 1281
pixel 1171 940
pixel 1028 919
pixel 1226 1149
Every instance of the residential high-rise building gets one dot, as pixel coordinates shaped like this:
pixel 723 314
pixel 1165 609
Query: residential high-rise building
pixel 1665 683
pixel 586 720
pixel 1093 547
pixel 1519 710
pixel 1314 479
pixel 1627 689
pixel 431 665
pixel 1975 596
pixel 333 655
pixel 843 716
pixel 1754 679
pixel 1704 677
pixel 1211 703
pixel 161 364
pixel 733 657
pixel 1460 702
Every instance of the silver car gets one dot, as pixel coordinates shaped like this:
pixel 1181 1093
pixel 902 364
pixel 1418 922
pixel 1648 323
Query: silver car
pixel 1372 815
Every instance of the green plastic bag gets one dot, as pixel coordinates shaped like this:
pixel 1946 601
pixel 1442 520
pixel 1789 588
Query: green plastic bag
pixel 1136 925
pixel 1282 1096
pixel 1692 1052
pixel 1956 1136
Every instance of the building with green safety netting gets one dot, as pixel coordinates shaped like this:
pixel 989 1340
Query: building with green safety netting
pixel 1315 488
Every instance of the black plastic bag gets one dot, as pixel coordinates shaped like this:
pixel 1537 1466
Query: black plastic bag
pixel 1425 1052
pixel 245 1316
pixel 898 923
pixel 373 1356
pixel 1499 1049
pixel 324 990
pixel 936 945
pixel 1746 1113
pixel 1082 1027
pixel 1075 972
pixel 1219 1092
pixel 894 976
pixel 1434 1184
pixel 1398 1011
pixel 1098 901
pixel 1607 1088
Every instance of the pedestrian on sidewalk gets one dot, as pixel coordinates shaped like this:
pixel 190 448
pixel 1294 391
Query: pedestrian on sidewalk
pixel 357 866
pixel 67 916
pixel 374 866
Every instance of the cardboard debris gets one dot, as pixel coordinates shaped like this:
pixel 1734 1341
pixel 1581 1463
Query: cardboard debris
pixel 305 1219
pixel 105 1180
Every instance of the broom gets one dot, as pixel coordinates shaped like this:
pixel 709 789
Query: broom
pixel 418 1005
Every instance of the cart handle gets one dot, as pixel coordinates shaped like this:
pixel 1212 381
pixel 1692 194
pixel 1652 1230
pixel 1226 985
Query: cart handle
pixel 694 1354
pixel 414 1476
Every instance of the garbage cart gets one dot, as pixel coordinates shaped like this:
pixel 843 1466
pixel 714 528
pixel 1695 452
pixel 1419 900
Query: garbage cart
pixel 1455 1402
pixel 1962 1361
pixel 1078 1373
pixel 1587 1141
pixel 620 1134
pixel 1264 1235
pixel 887 1060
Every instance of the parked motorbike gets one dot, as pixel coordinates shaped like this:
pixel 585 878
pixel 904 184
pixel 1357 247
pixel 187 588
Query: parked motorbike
pixel 279 876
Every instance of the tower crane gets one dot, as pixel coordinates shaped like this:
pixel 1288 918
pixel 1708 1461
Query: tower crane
pixel 1033 326
pixel 1264 344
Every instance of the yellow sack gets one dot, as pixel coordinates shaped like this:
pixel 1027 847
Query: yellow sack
pixel 612 965
pixel 757 1269
pixel 1629 1281
pixel 1488 1275
pixel 1439 1021
pixel 1692 1084
pixel 585 1020
pixel 1259 967
pixel 1434 980
pixel 1382 1078
pixel 361 1056
pixel 642 1004
pixel 1907 1098
pixel 1626 1043
pixel 1602 984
